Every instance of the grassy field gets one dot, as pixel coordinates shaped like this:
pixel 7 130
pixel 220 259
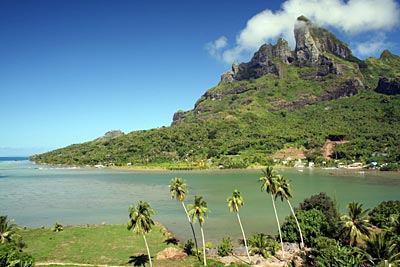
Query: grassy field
pixel 99 245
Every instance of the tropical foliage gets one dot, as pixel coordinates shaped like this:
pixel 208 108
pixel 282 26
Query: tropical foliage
pixel 312 222
pixel 329 208
pixel 140 221
pixel 178 189
pixel 225 248
pixel 284 193
pixel 356 226
pixel 386 214
pixel 12 256
pixel 58 227
pixel 7 230
pixel 11 245
pixel 361 242
pixel 270 185
pixel 198 211
pixel 263 245
pixel 235 202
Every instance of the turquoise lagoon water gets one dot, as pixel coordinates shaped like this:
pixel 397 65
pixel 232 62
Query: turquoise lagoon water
pixel 38 196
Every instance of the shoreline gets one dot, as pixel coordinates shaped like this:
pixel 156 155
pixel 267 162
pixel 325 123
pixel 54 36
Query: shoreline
pixel 333 171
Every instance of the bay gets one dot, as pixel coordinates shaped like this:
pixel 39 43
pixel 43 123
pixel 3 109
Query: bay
pixel 38 196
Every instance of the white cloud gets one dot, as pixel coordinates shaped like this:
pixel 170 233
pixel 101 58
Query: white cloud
pixel 352 17
pixel 215 47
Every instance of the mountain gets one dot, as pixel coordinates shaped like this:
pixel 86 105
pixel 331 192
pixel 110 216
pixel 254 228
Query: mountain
pixel 281 100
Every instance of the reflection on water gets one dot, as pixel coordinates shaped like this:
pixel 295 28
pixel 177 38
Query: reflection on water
pixel 39 196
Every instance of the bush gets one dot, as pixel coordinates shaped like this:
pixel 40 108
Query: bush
pixel 390 167
pixel 209 245
pixel 312 223
pixel 11 256
pixel 225 248
pixel 385 214
pixel 328 252
pixel 263 245
pixel 328 207
pixel 188 248
pixel 58 227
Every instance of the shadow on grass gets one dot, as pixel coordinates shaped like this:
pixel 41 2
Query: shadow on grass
pixel 171 240
pixel 138 260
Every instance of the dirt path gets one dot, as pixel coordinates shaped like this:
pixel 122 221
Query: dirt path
pixel 329 146
pixel 74 264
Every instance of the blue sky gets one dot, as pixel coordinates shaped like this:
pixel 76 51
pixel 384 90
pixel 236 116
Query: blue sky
pixel 72 70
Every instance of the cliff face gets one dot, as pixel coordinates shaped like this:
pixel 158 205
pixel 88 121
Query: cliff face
pixel 262 63
pixel 312 42
pixel 388 86
pixel 312 46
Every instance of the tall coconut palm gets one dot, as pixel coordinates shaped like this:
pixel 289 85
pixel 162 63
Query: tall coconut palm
pixel 198 211
pixel 270 185
pixel 235 202
pixel 178 191
pixel 284 192
pixel 140 221
pixel 355 224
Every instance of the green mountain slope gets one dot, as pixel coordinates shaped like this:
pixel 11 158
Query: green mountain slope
pixel 280 99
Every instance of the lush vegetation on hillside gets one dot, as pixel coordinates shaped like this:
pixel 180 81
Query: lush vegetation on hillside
pixel 244 123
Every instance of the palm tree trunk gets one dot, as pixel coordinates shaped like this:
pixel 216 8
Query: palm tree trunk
pixel 148 250
pixel 244 237
pixel 204 245
pixel 194 234
pixel 298 225
pixel 279 226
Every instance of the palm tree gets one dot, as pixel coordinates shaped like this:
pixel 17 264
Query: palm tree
pixel 140 221
pixel 355 224
pixel 178 191
pixel 7 230
pixel 198 211
pixel 383 248
pixel 235 202
pixel 270 185
pixel 284 192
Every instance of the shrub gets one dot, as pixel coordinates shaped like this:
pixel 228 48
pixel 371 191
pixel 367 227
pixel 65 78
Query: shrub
pixel 11 256
pixel 209 245
pixel 225 248
pixel 58 227
pixel 312 223
pixel 328 207
pixel 263 245
pixel 390 167
pixel 385 214
pixel 328 252
pixel 188 248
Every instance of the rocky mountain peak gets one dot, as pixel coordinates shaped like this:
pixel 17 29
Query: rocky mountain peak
pixel 261 63
pixel 307 52
pixel 313 41
pixel 312 45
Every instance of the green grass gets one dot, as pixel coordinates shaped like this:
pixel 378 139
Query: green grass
pixel 97 245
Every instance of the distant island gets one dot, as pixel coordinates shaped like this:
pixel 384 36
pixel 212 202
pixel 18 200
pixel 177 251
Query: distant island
pixel 317 105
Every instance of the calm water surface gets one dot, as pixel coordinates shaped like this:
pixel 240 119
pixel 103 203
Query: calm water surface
pixel 37 196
